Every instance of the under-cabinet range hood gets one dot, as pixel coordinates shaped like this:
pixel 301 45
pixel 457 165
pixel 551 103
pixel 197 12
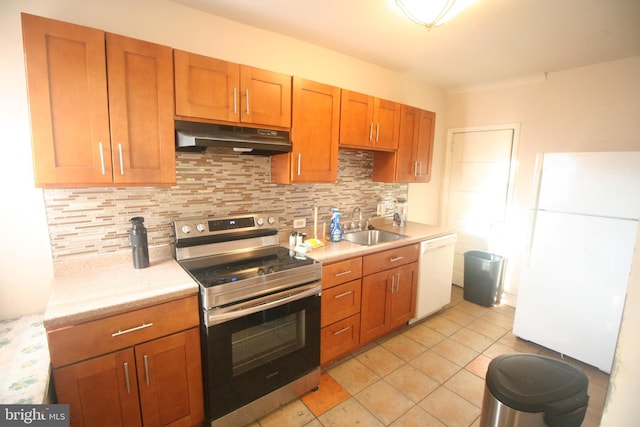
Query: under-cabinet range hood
pixel 216 138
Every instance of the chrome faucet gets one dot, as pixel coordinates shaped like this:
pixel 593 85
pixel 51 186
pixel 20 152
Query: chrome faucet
pixel 353 219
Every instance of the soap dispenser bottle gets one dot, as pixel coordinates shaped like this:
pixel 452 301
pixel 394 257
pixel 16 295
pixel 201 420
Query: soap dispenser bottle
pixel 336 230
pixel 139 245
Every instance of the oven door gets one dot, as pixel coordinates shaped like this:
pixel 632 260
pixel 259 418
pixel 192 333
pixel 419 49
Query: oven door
pixel 259 346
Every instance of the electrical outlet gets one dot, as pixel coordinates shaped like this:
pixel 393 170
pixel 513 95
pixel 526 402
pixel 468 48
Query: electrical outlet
pixel 299 223
pixel 380 209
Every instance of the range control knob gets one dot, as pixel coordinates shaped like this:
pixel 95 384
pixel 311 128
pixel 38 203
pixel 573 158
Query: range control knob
pixel 260 222
pixel 271 220
pixel 186 229
pixel 200 227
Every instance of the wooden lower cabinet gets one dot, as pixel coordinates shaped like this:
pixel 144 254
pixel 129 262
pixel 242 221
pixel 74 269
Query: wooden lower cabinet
pixel 97 390
pixel 170 383
pixel 388 300
pixel 140 368
pixel 366 297
pixel 339 338
pixel 152 384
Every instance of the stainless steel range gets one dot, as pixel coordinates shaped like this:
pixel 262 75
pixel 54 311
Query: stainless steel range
pixel 260 307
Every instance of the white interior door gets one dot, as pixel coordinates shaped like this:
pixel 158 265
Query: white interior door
pixel 479 183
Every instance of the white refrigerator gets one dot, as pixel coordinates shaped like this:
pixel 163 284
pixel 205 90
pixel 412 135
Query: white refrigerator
pixel 574 279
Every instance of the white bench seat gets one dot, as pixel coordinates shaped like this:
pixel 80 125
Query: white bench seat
pixel 24 360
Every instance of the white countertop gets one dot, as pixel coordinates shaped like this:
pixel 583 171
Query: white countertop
pixel 101 286
pixel 106 285
pixel 414 231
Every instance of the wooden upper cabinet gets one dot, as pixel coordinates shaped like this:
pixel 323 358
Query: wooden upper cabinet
pixel 213 89
pixel 67 84
pixel 413 160
pixel 368 123
pixel 140 77
pixel 314 136
pixel 92 128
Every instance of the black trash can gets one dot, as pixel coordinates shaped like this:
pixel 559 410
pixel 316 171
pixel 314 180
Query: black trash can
pixel 482 277
pixel 532 390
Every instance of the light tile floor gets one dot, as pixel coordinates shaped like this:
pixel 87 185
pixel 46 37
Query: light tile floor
pixel 428 374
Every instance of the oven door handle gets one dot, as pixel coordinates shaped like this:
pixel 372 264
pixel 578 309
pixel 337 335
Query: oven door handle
pixel 221 315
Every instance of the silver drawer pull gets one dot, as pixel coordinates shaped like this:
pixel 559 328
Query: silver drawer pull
pixel 344 273
pixel 398 258
pixel 137 328
pixel 338 332
pixel 126 377
pixel 146 368
pixel 344 294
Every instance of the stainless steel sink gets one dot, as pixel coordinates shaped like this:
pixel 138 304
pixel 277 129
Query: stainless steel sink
pixel 371 237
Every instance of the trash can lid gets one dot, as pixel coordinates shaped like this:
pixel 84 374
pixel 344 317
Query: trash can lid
pixel 534 383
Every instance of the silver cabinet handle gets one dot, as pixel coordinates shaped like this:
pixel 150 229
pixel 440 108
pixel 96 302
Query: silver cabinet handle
pixel 398 258
pixel 338 332
pixel 344 294
pixel 146 368
pixel 398 283
pixel 247 93
pixel 342 273
pixel 104 171
pixel 235 100
pixel 393 283
pixel 415 168
pixel 299 162
pixel 370 131
pixel 121 161
pixel 126 377
pixel 377 132
pixel 420 168
pixel 137 328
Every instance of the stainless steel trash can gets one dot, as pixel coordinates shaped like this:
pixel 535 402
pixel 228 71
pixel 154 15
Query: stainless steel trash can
pixel 533 391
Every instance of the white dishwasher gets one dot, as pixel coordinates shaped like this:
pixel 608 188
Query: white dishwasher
pixel 435 271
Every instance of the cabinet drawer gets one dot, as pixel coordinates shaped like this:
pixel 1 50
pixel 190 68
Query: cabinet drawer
pixel 339 338
pixel 341 301
pixel 70 344
pixel 389 259
pixel 341 272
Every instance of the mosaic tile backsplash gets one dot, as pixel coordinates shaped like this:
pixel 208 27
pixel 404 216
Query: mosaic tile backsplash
pixel 93 221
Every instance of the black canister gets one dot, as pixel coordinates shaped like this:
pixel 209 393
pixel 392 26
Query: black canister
pixel 139 243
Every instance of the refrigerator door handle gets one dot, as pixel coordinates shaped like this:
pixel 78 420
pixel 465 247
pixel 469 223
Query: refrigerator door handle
pixel 537 179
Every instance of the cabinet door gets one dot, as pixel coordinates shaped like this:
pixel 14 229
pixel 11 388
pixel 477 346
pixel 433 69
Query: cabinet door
pixel 206 88
pixel 386 121
pixel 374 316
pixel 67 84
pixel 356 119
pixel 170 380
pixel 101 391
pixel 265 97
pixel 403 295
pixel 140 77
pixel 314 135
pixel 406 162
pixel 424 145
pixel 339 338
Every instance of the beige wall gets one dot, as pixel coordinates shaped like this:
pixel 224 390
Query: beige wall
pixel 26 265
pixel 595 108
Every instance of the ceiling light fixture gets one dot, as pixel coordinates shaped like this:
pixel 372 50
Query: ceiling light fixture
pixel 432 13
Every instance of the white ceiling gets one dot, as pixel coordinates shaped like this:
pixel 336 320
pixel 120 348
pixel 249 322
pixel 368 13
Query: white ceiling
pixel 492 41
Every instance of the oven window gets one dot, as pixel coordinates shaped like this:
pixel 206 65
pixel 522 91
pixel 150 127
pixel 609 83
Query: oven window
pixel 263 343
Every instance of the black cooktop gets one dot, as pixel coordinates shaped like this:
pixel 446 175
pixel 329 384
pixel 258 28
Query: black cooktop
pixel 230 268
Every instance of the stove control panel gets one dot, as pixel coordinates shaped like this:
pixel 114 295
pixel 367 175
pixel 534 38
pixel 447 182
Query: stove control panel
pixel 209 226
